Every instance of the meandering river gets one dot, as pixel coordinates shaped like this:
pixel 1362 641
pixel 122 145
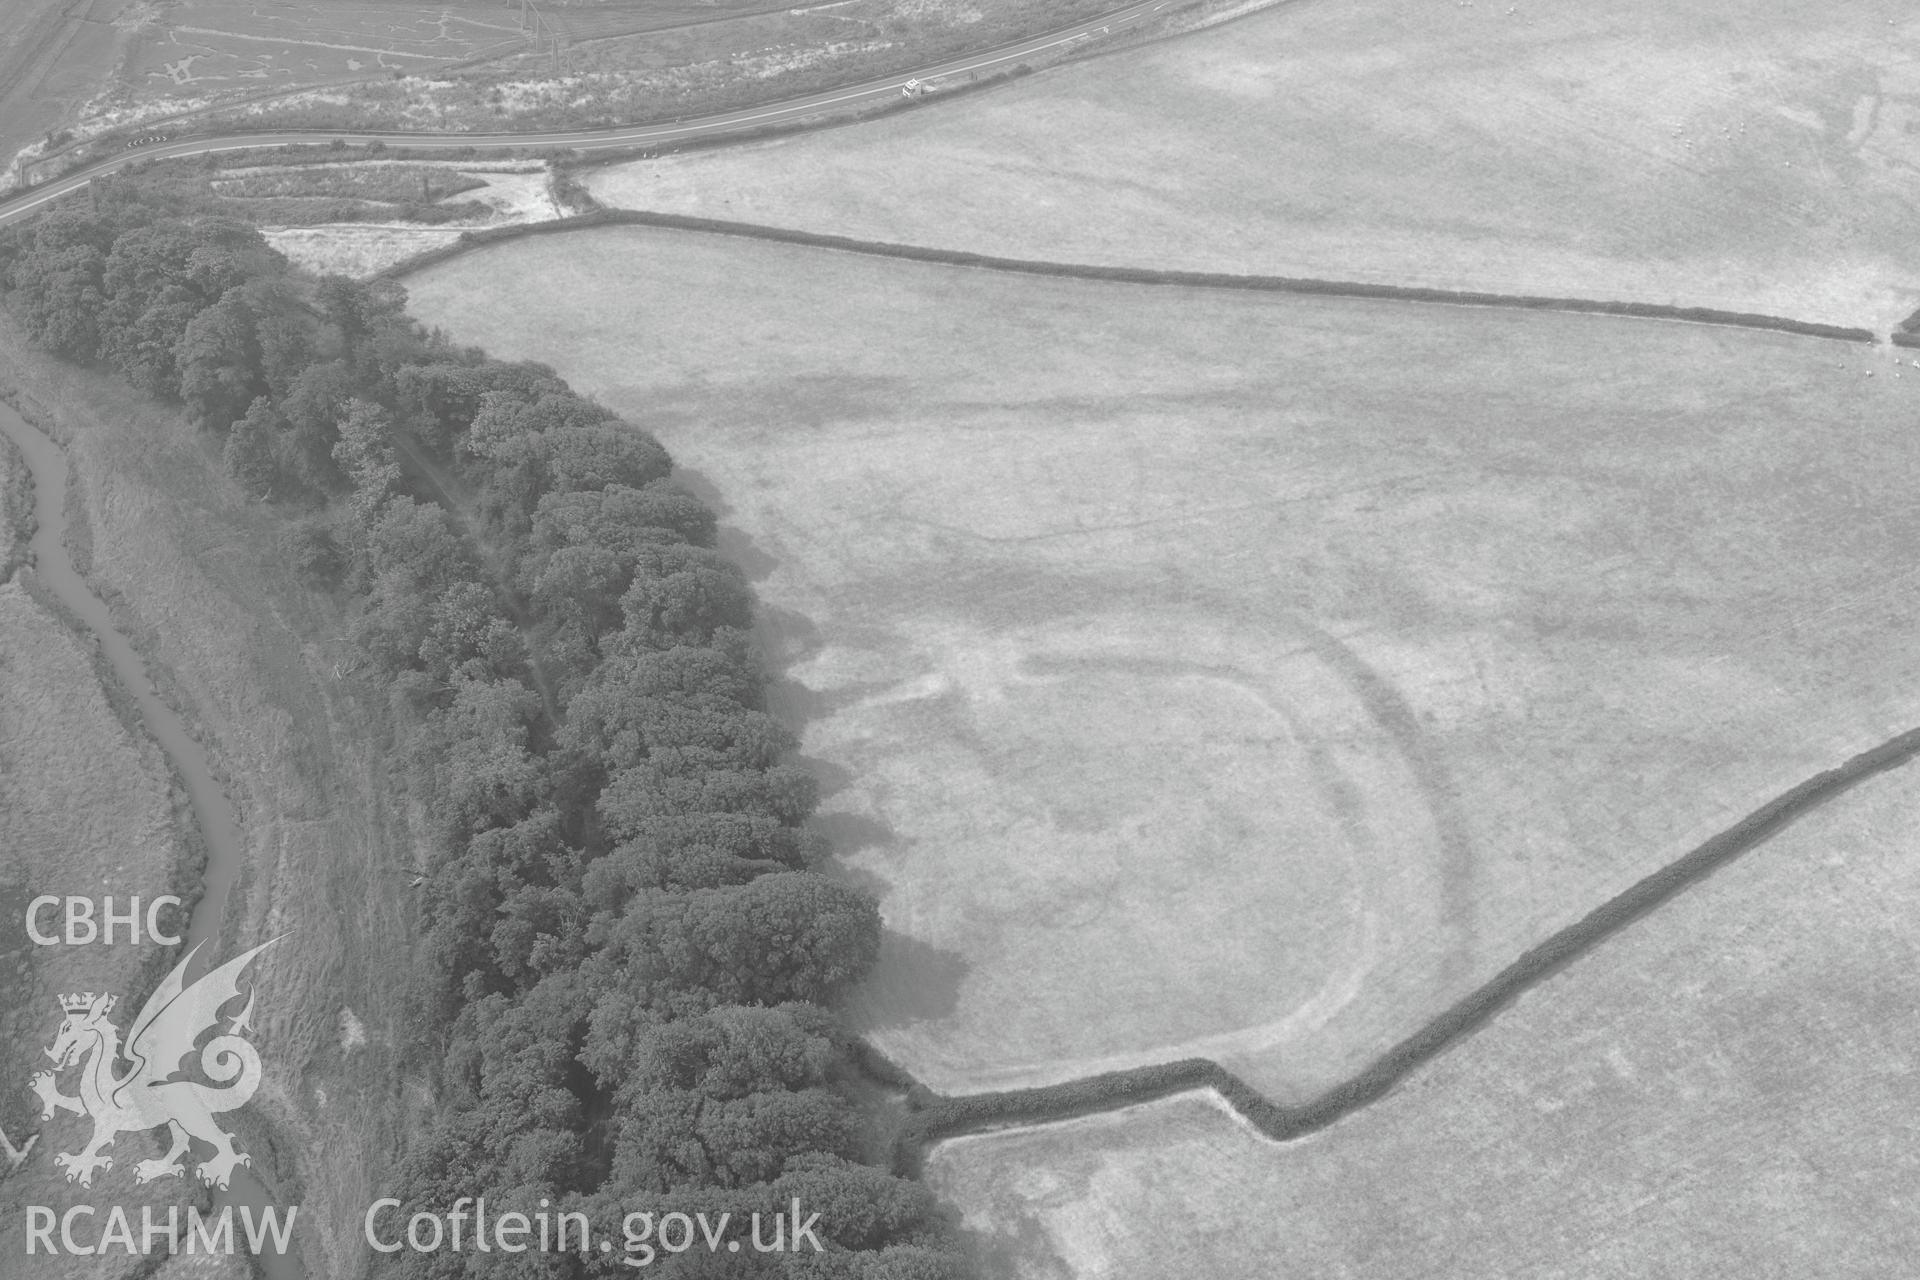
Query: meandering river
pixel 226 850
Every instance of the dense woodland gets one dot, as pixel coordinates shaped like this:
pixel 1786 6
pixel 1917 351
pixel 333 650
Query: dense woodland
pixel 627 954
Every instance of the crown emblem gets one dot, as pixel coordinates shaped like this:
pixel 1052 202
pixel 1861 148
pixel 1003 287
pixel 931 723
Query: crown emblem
pixel 173 1024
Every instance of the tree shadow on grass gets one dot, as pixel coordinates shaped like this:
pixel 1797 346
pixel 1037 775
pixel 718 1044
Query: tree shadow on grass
pixel 785 402
pixel 737 547
pixel 1022 1247
pixel 912 981
pixel 852 832
pixel 730 540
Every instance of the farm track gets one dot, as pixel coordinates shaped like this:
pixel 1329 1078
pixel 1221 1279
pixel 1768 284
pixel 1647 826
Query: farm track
pixel 937 1118
pixel 1137 275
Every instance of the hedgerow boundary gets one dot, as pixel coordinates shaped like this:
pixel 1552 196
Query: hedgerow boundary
pixel 488 237
pixel 934 1118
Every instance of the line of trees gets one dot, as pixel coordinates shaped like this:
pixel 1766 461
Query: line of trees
pixel 629 953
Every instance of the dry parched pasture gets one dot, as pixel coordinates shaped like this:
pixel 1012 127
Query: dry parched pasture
pixel 1723 1089
pixel 1752 155
pixel 1201 673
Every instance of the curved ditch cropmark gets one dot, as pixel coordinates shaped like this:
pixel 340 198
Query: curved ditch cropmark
pixel 54 571
pixel 933 1117
pixel 936 1118
pixel 1356 289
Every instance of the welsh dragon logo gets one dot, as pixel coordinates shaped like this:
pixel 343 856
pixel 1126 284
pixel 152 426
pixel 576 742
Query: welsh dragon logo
pixel 153 1089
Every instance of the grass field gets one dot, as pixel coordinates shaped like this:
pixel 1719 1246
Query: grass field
pixel 396 183
pixel 55 55
pixel 1725 1089
pixel 85 809
pixel 1247 676
pixel 1749 155
pixel 361 215
pixel 356 250
pixel 381 236
pixel 262 671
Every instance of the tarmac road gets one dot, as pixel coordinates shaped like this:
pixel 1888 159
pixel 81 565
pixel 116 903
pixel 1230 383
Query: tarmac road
pixel 33 198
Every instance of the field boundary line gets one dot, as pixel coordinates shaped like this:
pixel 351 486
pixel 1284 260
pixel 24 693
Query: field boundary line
pixel 936 1118
pixel 1164 277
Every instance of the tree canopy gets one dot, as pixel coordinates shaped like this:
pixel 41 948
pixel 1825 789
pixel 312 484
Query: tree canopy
pixel 628 957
